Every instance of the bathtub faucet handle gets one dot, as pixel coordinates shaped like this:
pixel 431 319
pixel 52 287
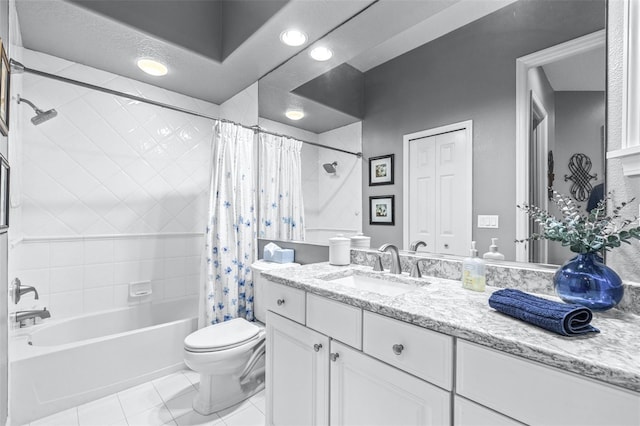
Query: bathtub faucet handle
pixel 17 290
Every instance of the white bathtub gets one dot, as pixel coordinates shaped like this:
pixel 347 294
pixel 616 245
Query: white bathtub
pixel 61 364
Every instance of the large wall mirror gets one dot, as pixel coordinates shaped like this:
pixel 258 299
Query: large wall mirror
pixel 401 68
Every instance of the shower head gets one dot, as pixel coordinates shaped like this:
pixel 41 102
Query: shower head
pixel 330 168
pixel 41 116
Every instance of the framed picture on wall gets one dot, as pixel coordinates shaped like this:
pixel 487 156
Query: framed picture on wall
pixel 4 90
pixel 381 170
pixel 4 194
pixel 382 210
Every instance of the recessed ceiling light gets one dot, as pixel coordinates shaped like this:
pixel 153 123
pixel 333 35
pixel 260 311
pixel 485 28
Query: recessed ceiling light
pixel 294 114
pixel 293 37
pixel 152 67
pixel 321 53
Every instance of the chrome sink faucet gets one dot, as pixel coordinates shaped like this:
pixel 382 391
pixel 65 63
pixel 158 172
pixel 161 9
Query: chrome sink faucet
pixel 395 257
pixel 414 246
pixel 17 290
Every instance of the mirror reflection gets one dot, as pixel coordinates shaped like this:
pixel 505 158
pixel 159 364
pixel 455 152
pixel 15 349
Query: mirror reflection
pixel 434 66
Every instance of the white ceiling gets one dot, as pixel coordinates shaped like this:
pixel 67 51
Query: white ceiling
pixel 68 31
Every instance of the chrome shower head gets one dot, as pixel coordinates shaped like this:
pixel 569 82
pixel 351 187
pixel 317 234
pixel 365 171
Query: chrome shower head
pixel 330 168
pixel 41 116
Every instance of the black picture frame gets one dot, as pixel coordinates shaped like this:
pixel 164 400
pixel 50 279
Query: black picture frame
pixel 5 172
pixel 5 80
pixel 381 170
pixel 382 210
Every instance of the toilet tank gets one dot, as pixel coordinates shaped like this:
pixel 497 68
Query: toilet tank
pixel 259 307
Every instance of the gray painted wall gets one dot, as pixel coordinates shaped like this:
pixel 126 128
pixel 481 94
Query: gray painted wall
pixel 468 74
pixel 579 118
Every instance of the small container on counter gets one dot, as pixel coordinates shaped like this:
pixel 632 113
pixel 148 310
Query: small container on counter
pixel 339 250
pixel 360 241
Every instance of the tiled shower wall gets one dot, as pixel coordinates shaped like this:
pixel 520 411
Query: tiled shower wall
pixel 332 202
pixel 111 191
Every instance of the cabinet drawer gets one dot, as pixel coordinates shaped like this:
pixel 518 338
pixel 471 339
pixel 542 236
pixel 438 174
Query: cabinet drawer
pixel 337 320
pixel 286 301
pixel 536 394
pixel 467 413
pixel 421 352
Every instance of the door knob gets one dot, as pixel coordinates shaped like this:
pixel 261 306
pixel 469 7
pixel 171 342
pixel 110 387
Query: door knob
pixel 280 302
pixel 334 356
pixel 317 347
pixel 397 349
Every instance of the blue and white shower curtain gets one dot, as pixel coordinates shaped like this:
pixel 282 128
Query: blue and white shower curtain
pixel 281 207
pixel 230 240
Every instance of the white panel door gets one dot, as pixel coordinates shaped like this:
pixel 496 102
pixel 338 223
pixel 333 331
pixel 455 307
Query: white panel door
pixel 422 191
pixel 438 206
pixel 365 391
pixel 297 374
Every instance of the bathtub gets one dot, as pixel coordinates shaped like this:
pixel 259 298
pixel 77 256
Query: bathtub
pixel 61 364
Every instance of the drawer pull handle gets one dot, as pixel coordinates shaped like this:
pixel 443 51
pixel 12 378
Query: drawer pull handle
pixel 397 349
pixel 280 302
pixel 317 347
pixel 334 356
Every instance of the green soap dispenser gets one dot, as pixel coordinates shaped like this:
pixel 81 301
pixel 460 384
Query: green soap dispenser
pixel 473 271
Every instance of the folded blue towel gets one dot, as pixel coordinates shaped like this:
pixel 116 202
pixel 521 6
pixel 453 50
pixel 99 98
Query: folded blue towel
pixel 561 318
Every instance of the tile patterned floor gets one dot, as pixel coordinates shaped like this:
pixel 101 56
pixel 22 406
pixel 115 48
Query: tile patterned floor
pixel 164 401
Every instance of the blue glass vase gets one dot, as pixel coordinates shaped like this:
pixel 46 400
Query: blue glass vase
pixel 587 281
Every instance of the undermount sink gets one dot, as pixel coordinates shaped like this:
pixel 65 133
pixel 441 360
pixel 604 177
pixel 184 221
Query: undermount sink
pixel 373 285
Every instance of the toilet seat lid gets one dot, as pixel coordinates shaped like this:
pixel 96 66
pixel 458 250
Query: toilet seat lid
pixel 221 336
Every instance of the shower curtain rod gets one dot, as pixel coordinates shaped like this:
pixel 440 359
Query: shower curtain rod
pixel 19 68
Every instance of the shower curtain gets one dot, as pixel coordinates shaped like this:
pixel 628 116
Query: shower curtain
pixel 280 202
pixel 230 240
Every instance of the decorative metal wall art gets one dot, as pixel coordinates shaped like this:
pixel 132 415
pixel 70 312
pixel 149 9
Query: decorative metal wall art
pixel 580 166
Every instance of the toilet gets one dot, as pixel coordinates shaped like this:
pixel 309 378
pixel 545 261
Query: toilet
pixel 229 356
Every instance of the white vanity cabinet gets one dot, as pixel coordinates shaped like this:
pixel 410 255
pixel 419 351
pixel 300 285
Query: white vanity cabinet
pixel 536 394
pixel 317 374
pixel 297 374
pixel 365 391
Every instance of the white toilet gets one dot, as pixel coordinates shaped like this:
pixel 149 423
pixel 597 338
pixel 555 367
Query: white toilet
pixel 230 355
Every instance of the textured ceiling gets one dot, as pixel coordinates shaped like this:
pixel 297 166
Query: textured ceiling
pixel 206 59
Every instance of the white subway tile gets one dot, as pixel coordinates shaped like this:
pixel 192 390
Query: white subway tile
pixel 98 275
pixel 174 287
pixel 66 253
pixel 65 305
pixel 98 299
pixel 157 287
pixel 121 295
pixel 66 279
pixel 175 246
pixel 32 255
pixel 192 265
pixel 174 267
pixel 98 251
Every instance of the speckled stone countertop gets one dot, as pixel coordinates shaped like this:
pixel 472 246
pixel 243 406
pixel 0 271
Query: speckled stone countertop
pixel 611 356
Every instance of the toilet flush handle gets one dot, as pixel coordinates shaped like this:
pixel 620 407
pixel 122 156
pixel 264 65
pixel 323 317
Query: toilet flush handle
pixel 280 302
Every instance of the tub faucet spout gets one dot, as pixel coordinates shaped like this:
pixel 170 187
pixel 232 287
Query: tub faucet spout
pixel 21 317
pixel 396 268
pixel 17 290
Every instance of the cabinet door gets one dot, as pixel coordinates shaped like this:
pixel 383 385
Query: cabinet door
pixel 467 413
pixel 365 391
pixel 297 374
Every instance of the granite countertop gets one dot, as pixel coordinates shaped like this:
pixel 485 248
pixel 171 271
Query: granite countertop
pixel 442 305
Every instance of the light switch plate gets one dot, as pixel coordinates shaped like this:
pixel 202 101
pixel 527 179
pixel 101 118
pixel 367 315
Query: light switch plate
pixel 488 221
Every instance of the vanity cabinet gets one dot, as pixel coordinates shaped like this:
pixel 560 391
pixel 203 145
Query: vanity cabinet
pixel 536 394
pixel 297 371
pixel 317 374
pixel 365 391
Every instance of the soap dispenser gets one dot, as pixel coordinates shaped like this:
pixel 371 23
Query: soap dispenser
pixel 493 252
pixel 473 273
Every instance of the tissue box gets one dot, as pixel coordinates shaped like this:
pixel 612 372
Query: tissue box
pixel 279 255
